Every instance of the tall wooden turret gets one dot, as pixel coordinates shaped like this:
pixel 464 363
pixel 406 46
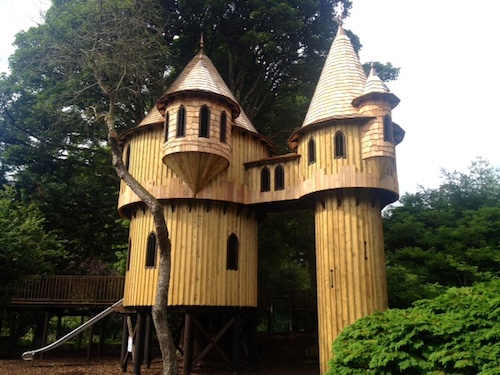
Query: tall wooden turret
pixel 348 140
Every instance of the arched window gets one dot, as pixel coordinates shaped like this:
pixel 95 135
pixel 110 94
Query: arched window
pixel 181 122
pixel 339 143
pixel 279 177
pixel 204 128
pixel 232 252
pixel 126 162
pixel 151 251
pixel 165 127
pixel 265 179
pixel 129 253
pixel 388 133
pixel 311 151
pixel 223 127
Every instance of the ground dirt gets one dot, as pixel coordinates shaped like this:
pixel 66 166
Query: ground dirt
pixel 277 355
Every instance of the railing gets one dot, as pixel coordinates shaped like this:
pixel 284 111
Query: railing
pixel 69 290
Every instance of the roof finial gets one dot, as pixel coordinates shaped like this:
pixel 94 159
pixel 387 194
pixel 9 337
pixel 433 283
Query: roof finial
pixel 202 45
pixel 373 72
pixel 338 11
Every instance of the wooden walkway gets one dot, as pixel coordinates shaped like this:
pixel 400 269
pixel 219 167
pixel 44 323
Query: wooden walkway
pixel 68 291
pixel 285 311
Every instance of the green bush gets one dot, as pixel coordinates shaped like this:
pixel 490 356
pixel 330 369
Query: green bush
pixel 457 332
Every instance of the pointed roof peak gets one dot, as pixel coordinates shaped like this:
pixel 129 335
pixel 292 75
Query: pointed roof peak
pixel 374 83
pixel 340 31
pixel 342 79
pixel 202 44
pixel 373 72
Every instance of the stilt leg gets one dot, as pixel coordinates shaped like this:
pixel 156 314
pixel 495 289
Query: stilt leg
pixel 188 344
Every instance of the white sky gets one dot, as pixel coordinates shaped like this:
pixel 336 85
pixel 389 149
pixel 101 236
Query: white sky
pixel 447 53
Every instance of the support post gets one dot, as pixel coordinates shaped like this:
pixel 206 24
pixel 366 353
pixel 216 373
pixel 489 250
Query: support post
pixel 124 351
pixel 139 343
pixel 45 331
pixel 148 339
pixel 236 354
pixel 59 322
pixel 188 344
pixel 102 335
pixel 91 339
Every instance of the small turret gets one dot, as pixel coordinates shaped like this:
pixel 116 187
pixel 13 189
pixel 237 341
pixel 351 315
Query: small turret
pixel 199 111
pixel 379 136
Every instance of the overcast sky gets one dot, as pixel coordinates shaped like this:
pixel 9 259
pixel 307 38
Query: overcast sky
pixel 448 85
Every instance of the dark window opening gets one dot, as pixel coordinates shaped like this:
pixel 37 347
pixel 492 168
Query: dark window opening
pixel 223 127
pixel 181 122
pixel 165 127
pixel 311 151
pixel 265 179
pixel 388 132
pixel 279 178
pixel 339 141
pixel 204 122
pixel 127 158
pixel 232 252
pixel 151 251
pixel 129 252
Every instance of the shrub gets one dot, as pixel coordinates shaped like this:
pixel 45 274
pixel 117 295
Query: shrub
pixel 457 332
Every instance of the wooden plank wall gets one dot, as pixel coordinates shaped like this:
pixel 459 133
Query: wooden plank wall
pixel 350 266
pixel 199 233
pixel 147 167
pixel 329 172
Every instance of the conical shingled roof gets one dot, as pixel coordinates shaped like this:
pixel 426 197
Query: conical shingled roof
pixel 342 79
pixel 201 74
pixel 374 83
pixel 153 117
pixel 244 122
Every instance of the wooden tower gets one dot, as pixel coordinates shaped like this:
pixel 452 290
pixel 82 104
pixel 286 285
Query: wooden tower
pixel 199 154
pixel 348 140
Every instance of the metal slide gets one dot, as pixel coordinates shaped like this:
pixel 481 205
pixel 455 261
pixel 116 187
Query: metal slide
pixel 29 355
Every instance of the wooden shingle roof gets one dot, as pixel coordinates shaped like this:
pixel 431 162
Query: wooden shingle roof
pixel 342 79
pixel 374 83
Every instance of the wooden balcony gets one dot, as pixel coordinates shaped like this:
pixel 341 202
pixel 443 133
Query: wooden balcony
pixel 69 291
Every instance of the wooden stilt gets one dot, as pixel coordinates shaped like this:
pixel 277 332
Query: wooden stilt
pixel 124 350
pixel 59 323
pixel 236 347
pixel 45 331
pixel 148 339
pixel 139 342
pixel 188 344
pixel 252 337
pixel 102 333
pixel 91 339
pixel 80 336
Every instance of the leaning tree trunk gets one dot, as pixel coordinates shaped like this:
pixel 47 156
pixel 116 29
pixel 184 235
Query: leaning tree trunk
pixel 167 347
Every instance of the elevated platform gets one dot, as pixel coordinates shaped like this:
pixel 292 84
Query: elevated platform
pixel 68 291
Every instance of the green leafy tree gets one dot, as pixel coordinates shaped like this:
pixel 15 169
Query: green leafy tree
pixel 26 248
pixel 455 333
pixel 444 237
pixel 286 251
pixel 95 62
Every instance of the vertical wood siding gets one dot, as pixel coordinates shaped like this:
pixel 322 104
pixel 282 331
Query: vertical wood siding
pixel 350 260
pixel 199 234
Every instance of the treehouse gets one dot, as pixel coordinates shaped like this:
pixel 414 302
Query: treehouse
pixel 217 177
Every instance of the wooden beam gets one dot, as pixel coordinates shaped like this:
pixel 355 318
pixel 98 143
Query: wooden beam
pixel 188 344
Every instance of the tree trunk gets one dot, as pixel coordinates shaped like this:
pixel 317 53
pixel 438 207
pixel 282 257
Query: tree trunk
pixel 167 347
